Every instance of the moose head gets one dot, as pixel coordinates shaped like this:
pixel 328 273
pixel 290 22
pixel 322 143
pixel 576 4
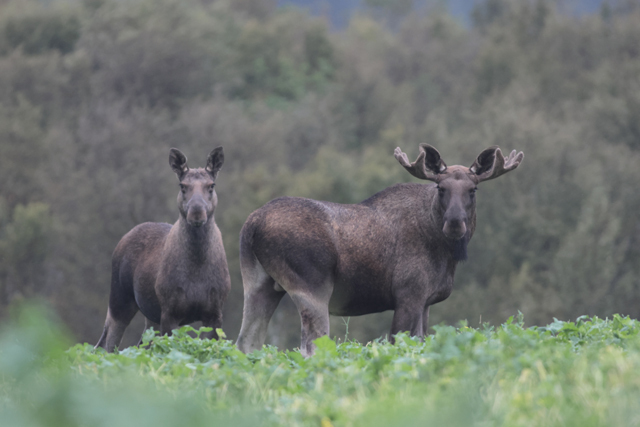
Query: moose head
pixel 457 185
pixel 197 198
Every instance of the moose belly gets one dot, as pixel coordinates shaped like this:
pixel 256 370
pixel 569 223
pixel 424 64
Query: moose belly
pixel 358 297
pixel 193 302
pixel 148 304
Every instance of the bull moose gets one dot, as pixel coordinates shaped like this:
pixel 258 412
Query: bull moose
pixel 397 250
pixel 174 274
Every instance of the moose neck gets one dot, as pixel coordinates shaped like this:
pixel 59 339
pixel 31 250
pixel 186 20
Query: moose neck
pixel 196 241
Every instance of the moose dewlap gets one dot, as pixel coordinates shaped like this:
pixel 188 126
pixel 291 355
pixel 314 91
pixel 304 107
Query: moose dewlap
pixel 397 250
pixel 174 274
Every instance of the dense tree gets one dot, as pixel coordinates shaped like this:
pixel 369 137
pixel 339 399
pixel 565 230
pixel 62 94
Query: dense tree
pixel 94 93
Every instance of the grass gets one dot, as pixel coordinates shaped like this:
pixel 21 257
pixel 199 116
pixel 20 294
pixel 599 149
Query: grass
pixel 582 373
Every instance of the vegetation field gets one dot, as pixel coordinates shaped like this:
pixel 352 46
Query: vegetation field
pixel 582 373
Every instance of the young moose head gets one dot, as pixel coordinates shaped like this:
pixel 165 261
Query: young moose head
pixel 197 198
pixel 457 185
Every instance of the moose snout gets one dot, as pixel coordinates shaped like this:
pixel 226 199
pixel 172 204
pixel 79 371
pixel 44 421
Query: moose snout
pixel 455 229
pixel 196 213
pixel 197 216
pixel 455 226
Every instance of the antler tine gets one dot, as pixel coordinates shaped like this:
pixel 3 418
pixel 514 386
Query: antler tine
pixel 502 164
pixel 417 168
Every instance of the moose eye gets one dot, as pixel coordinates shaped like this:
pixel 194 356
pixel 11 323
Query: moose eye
pixel 211 188
pixel 441 191
pixel 183 188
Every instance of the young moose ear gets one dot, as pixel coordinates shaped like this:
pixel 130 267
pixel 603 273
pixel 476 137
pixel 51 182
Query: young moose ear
pixel 178 162
pixel 215 161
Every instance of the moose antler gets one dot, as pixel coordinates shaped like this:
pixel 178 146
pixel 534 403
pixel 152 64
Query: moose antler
pixel 501 165
pixel 419 168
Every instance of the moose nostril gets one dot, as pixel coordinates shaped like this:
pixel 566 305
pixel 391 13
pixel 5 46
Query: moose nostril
pixel 455 228
pixel 197 215
pixel 454 222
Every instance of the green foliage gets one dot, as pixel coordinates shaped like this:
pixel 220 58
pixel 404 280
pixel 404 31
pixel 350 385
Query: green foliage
pixel 155 53
pixel 37 30
pixel 40 387
pixel 24 239
pixel 282 58
pixel 563 374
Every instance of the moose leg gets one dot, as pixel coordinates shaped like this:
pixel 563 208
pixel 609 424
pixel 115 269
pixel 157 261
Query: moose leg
pixel 148 323
pixel 115 325
pixel 314 319
pixel 168 323
pixel 214 322
pixel 259 304
pixel 425 321
pixel 407 319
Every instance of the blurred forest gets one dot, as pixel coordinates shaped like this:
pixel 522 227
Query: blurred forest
pixel 93 94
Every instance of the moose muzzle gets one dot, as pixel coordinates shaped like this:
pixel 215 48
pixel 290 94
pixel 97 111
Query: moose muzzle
pixel 197 212
pixel 455 224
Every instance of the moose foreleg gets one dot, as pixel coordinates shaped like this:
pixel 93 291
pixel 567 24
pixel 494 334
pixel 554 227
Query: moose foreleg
pixel 147 324
pixel 214 322
pixel 407 319
pixel 425 321
pixel 168 323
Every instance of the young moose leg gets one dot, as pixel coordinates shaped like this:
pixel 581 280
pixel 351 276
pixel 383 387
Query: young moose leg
pixel 122 308
pixel 117 321
pixel 214 322
pixel 259 304
pixel 168 323
pixel 147 324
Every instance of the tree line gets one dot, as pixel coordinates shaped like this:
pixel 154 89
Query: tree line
pixel 93 94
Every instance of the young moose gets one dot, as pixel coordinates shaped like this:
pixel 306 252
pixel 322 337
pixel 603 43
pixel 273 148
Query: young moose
pixel 397 250
pixel 174 274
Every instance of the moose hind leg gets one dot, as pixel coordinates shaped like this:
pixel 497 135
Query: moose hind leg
pixel 115 325
pixel 314 319
pixel 122 307
pixel 260 301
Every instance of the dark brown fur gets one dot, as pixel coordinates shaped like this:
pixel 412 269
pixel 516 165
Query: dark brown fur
pixel 397 250
pixel 174 274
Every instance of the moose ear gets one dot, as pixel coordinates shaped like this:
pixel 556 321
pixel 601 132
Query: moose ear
pixel 432 159
pixel 178 162
pixel 428 160
pixel 215 161
pixel 484 161
pixel 491 163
